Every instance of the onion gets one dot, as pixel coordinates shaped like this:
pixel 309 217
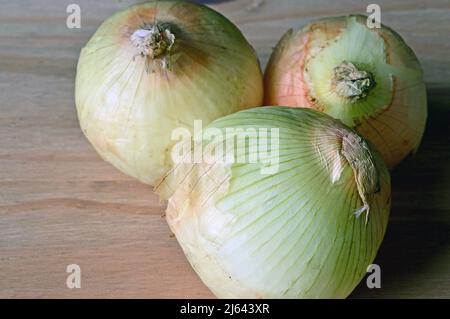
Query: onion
pixel 157 66
pixel 368 78
pixel 292 233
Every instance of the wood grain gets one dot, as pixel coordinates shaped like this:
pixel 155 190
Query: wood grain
pixel 61 204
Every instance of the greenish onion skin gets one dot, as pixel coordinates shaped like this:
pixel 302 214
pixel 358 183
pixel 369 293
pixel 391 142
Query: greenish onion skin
pixel 391 114
pixel 128 103
pixel 292 234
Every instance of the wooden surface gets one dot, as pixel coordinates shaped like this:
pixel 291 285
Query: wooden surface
pixel 61 204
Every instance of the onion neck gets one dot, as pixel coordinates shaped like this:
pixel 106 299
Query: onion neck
pixel 351 83
pixel 359 156
pixel 154 42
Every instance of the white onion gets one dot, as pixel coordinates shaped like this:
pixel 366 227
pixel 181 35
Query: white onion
pixel 290 234
pixel 368 78
pixel 157 66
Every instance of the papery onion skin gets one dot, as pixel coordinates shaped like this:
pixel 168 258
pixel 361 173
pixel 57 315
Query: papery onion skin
pixel 128 104
pixel 392 116
pixel 292 234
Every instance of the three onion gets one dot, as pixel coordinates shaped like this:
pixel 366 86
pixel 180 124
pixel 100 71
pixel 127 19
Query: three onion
pixel 295 232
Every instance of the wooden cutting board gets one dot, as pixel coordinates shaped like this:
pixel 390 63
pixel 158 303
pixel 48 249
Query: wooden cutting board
pixel 60 204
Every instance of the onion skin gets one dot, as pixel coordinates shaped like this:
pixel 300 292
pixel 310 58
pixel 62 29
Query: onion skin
pixel 129 103
pixel 395 119
pixel 292 234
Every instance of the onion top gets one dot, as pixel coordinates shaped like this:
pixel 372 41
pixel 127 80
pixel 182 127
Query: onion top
pixel 155 67
pixel 293 233
pixel 368 78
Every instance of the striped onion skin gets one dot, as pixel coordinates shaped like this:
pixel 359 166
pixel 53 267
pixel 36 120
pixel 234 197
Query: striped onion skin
pixel 129 101
pixel 392 115
pixel 291 234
